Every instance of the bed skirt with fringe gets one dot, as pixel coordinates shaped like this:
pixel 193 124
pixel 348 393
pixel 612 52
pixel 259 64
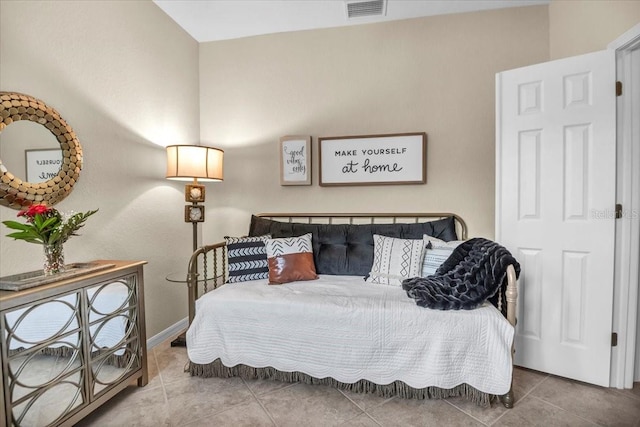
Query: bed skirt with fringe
pixel 396 388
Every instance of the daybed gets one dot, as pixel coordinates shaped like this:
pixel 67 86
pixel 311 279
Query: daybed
pixel 360 324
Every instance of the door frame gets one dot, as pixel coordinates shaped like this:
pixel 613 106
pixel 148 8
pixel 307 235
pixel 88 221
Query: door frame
pixel 625 357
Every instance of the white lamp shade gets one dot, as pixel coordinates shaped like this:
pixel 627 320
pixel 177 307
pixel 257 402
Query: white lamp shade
pixel 186 162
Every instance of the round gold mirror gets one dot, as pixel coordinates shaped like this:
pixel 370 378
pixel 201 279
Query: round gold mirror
pixel 19 193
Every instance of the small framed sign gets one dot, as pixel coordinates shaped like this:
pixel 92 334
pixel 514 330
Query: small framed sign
pixel 42 165
pixel 373 159
pixel 295 160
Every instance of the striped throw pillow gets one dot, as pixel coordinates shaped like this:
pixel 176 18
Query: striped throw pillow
pixel 247 258
pixel 436 253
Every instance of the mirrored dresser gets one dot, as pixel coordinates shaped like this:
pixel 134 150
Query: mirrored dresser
pixel 69 346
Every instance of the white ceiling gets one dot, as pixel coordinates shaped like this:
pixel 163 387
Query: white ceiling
pixel 209 20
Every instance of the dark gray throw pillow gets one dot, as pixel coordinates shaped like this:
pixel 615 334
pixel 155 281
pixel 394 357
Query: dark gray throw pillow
pixel 347 249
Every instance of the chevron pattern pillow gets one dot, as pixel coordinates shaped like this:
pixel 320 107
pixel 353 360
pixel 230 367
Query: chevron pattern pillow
pixel 290 259
pixel 247 258
pixel 395 260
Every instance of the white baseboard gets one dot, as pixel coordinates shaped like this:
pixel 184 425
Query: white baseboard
pixel 170 332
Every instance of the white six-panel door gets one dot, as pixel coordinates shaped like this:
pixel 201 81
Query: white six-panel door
pixel 555 209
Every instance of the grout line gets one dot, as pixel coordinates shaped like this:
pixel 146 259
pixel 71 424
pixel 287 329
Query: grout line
pixel 350 400
pixel 466 413
pixel 519 400
pixel 565 410
pixel 506 412
pixel 372 419
pixel 363 411
pixel 264 408
pixel 164 390
pixel 536 386
pixel 359 415
pixel 230 407
pixel 387 399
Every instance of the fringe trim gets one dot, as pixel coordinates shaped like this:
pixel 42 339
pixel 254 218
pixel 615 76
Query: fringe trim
pixel 396 388
pixel 119 361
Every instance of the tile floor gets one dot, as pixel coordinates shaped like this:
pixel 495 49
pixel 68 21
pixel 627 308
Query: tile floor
pixel 173 398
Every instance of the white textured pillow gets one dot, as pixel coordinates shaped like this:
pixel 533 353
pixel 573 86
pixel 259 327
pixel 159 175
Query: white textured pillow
pixel 288 245
pixel 395 260
pixel 436 253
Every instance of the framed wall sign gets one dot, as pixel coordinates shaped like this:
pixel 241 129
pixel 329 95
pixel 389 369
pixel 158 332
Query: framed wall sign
pixel 42 165
pixel 295 160
pixel 373 159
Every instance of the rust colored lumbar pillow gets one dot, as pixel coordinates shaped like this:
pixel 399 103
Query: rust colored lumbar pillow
pixel 290 259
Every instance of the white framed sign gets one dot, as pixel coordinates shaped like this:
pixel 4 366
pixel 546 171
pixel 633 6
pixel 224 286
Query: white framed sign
pixel 373 159
pixel 42 165
pixel 295 160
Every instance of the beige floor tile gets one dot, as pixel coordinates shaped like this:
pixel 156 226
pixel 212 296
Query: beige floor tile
pixel 248 414
pixel 134 406
pixel 524 380
pixel 600 405
pixel 362 420
pixel 171 364
pixel 154 372
pixel 485 415
pixel 309 405
pixel 365 401
pixel 266 386
pixel 535 412
pixel 634 392
pixel 422 413
pixel 155 415
pixel 195 398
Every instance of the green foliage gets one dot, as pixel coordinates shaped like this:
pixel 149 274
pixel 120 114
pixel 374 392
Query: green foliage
pixel 46 225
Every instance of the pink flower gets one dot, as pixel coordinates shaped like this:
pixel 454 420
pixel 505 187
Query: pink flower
pixel 35 210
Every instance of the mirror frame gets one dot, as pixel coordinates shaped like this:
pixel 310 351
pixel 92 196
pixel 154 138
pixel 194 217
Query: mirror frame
pixel 18 194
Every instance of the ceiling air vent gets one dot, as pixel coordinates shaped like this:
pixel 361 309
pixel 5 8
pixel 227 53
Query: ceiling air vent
pixel 362 8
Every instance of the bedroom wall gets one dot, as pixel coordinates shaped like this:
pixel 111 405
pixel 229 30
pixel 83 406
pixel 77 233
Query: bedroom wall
pixel 125 77
pixel 577 27
pixel 432 74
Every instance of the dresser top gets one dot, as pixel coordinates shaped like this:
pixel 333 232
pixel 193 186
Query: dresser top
pixel 111 268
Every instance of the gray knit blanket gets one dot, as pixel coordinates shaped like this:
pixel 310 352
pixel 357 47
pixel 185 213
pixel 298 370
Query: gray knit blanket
pixel 471 275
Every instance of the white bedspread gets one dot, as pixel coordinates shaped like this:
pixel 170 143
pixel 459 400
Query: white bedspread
pixel 344 328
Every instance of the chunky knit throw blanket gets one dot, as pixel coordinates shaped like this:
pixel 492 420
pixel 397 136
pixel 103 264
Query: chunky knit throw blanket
pixel 472 274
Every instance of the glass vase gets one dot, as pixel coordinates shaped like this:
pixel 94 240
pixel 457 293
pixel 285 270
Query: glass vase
pixel 53 259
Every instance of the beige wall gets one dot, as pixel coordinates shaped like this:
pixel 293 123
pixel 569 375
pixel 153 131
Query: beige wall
pixel 577 27
pixel 431 74
pixel 125 77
